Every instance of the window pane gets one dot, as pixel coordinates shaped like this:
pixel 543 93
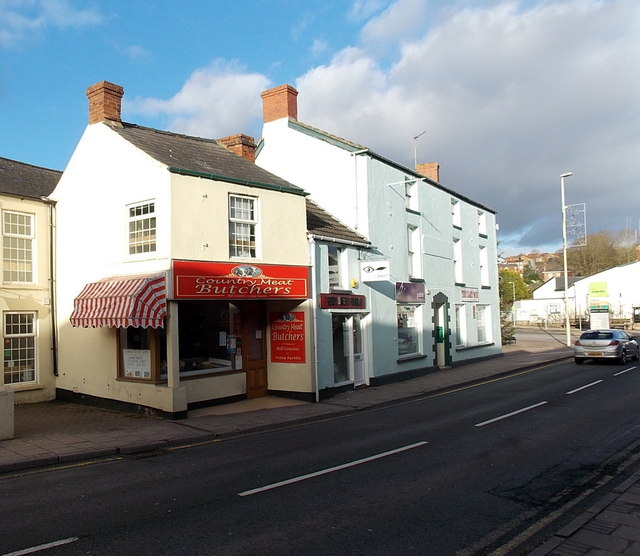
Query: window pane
pixel 407 330
pixel 17 247
pixel 19 348
pixel 142 229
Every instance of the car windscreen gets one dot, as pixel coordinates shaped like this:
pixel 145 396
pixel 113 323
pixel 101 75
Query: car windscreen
pixel 596 336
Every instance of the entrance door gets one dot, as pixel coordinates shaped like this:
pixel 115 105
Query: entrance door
pixel 253 346
pixel 348 358
pixel 359 377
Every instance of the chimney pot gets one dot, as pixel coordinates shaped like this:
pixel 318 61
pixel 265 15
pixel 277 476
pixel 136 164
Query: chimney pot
pixel 279 102
pixel 105 102
pixel 242 145
pixel 430 169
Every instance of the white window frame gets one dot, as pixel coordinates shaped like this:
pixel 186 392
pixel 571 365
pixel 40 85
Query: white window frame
pixel 334 267
pixel 16 267
pixel 461 325
pixel 142 228
pixel 410 194
pixel 243 245
pixel 456 217
pixel 484 266
pixel 482 223
pixel 458 274
pixel 414 251
pixel 26 335
pixel 416 311
pixel 483 328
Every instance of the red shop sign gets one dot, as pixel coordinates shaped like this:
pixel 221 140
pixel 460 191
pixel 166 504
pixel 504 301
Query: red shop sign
pixel 287 337
pixel 205 280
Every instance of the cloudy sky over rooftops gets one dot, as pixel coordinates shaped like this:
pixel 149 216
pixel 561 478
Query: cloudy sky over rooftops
pixel 510 95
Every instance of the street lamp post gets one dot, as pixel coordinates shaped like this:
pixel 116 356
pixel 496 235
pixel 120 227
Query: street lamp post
pixel 513 302
pixel 567 322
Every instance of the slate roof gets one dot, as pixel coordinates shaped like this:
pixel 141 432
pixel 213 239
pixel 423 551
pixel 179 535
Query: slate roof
pixel 321 223
pixel 25 180
pixel 195 156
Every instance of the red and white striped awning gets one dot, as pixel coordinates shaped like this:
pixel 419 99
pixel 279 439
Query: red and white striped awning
pixel 122 301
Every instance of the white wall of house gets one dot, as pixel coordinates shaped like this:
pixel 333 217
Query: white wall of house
pixel 622 289
pixel 368 194
pixel 106 174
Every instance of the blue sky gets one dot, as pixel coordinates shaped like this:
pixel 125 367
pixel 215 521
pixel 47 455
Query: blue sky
pixel 511 94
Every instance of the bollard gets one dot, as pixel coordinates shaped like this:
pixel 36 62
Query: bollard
pixel 7 413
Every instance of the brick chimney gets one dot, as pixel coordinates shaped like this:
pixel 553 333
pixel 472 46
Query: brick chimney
pixel 242 145
pixel 104 102
pixel 430 170
pixel 279 102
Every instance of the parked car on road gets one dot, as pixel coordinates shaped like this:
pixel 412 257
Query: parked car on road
pixel 605 344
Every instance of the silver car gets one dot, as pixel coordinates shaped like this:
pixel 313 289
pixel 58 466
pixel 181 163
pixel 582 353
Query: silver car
pixel 605 344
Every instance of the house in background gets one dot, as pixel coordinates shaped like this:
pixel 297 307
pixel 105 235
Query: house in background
pixel 183 275
pixel 431 275
pixel 27 298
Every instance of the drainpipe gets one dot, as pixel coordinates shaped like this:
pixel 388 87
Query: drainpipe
pixel 314 315
pixel 52 283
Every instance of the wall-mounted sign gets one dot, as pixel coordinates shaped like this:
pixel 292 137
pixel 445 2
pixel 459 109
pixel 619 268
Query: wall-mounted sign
pixel 375 271
pixel 206 280
pixel 287 337
pixel 470 294
pixel 409 292
pixel 342 301
pixel 598 289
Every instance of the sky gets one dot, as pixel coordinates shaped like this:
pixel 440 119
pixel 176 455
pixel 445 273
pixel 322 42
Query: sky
pixel 505 95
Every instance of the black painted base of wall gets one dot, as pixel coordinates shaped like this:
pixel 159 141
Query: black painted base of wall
pixel 117 405
pixel 309 397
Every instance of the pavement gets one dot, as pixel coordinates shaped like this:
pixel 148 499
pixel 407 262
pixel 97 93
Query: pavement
pixel 56 433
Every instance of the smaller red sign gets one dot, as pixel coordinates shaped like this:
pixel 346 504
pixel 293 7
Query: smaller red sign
pixel 288 337
pixel 342 301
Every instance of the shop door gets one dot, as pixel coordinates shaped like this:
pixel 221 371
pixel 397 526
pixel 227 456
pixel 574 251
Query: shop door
pixel 253 345
pixel 359 376
pixel 348 359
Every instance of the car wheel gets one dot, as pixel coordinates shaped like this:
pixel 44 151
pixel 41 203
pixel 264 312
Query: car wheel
pixel 623 358
pixel 579 361
pixel 637 356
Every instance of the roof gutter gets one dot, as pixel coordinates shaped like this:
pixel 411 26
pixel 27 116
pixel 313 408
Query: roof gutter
pixel 342 241
pixel 248 183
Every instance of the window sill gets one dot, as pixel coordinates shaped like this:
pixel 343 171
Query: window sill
pixel 17 387
pixel 411 357
pixel 475 346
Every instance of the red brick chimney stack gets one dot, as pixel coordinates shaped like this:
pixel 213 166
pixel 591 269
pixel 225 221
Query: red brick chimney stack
pixel 430 170
pixel 105 101
pixel 242 145
pixel 279 102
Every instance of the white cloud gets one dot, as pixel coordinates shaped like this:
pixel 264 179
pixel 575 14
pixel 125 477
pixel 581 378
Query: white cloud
pixel 219 100
pixel 361 10
pixel 398 23
pixel 512 95
pixel 20 18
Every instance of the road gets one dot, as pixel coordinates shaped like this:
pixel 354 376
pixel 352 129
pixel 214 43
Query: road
pixel 461 473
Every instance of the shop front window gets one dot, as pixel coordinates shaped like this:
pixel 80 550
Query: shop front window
pixel 210 337
pixel 408 332
pixel 143 353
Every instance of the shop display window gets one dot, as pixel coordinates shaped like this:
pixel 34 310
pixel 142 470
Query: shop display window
pixel 143 353
pixel 210 337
